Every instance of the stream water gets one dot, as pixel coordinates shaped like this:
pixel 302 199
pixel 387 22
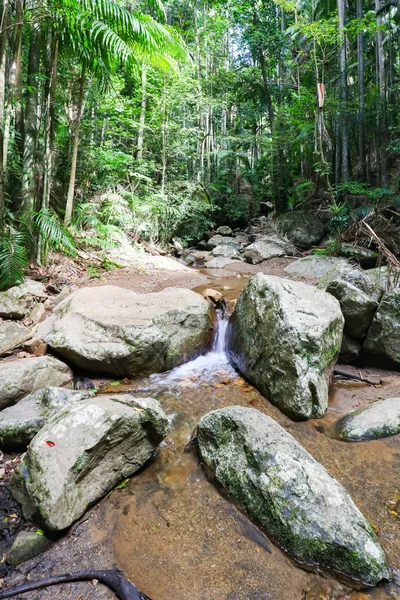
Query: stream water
pixel 178 538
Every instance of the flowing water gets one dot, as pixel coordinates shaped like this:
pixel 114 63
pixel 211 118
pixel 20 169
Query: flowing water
pixel 178 538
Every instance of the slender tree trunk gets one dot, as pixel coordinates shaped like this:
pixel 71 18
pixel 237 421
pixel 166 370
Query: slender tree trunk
pixel 381 120
pixel 31 122
pixel 361 101
pixel 343 92
pixel 3 66
pixel 71 188
pixel 164 145
pixel 52 58
pixel 139 153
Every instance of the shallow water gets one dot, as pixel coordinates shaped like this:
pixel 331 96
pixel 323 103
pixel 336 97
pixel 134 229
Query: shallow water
pixel 178 538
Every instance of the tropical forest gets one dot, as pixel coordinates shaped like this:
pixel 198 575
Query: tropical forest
pixel 200 299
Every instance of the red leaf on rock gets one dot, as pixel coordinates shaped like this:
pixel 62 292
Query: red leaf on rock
pixel 51 444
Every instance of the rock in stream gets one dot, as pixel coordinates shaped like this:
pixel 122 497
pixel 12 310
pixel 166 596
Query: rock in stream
pixel 283 488
pixel 380 419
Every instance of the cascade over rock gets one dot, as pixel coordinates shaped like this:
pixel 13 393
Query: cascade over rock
pixel 113 330
pixel 283 488
pixel 285 336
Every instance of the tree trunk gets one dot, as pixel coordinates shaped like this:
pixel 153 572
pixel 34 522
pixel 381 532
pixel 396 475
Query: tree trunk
pixel 139 153
pixel 71 188
pixel 31 122
pixel 381 117
pixel 343 92
pixel 361 101
pixel 3 64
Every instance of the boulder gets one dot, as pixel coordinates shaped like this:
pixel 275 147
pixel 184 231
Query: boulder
pixel 27 545
pixel 16 302
pixel 84 452
pixel 358 297
pixel 383 280
pixel 302 228
pixel 284 489
pixel 285 336
pixel 219 262
pixel 263 249
pixel 379 420
pixel 383 340
pixel 365 257
pixel 350 350
pixel 11 332
pixel 314 266
pixel 113 330
pixel 21 422
pixel 220 240
pixel 224 230
pixel 243 239
pixel 227 252
pixel 213 296
pixel 23 376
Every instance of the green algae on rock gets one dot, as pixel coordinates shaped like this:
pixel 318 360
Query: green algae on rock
pixel 82 453
pixel 378 420
pixel 285 336
pixel 283 488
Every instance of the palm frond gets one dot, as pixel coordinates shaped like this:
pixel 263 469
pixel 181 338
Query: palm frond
pixel 53 232
pixel 13 257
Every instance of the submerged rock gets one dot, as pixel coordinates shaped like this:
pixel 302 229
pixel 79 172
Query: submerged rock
pixel 383 340
pixel 113 330
pixel 263 249
pixel 291 495
pixel 82 453
pixel 379 420
pixel 16 302
pixel 358 297
pixel 21 422
pixel 313 266
pixel 27 545
pixel 20 377
pixel 285 336
pixel 302 228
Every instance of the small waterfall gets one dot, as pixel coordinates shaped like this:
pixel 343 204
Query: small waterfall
pixel 219 342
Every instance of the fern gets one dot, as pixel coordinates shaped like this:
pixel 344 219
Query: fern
pixel 53 232
pixel 13 257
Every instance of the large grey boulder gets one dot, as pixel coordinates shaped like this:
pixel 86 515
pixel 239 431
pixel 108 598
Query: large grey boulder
pixel 358 297
pixel 365 257
pixel 224 230
pixel 113 330
pixel 285 336
pixel 221 240
pixel 302 228
pixel 227 252
pixel 23 376
pixel 16 302
pixel 384 280
pixel 378 420
pixel 263 249
pixel 20 423
pixel 314 266
pixel 383 340
pixel 82 453
pixel 305 510
pixel 11 332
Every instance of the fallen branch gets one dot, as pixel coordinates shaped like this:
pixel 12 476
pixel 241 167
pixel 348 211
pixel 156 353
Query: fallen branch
pixel 19 341
pixel 360 377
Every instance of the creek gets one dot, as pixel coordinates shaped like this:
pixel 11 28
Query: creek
pixel 177 537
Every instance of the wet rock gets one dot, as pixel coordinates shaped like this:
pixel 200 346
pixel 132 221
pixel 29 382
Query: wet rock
pixel 11 332
pixel 379 420
pixel 27 545
pixel 114 330
pixel 365 257
pixel 16 302
pixel 220 240
pixel 227 252
pixel 302 228
pixel 21 422
pixel 350 350
pixel 313 266
pixel 213 296
pixel 383 340
pixel 358 297
pixel 285 336
pixel 291 495
pixel 263 249
pixel 82 453
pixel 23 376
pixel 224 230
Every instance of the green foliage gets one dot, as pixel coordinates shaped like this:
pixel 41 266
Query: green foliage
pixel 54 234
pixel 13 257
